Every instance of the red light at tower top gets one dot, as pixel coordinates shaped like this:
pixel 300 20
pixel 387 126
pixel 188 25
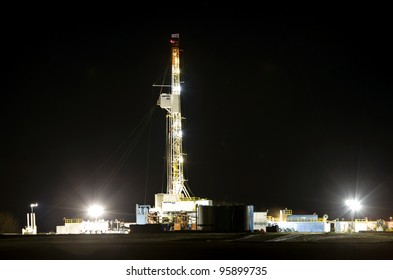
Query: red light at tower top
pixel 174 39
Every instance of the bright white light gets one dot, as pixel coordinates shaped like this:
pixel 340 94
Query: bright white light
pixel 353 204
pixel 32 205
pixel 96 211
pixel 176 89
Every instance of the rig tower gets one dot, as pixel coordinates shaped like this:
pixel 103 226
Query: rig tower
pixel 175 207
pixel 171 103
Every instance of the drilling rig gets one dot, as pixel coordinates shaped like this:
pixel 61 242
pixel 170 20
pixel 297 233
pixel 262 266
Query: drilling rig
pixel 171 103
pixel 175 207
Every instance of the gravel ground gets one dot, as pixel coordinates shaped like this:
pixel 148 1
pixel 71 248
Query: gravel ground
pixel 199 245
pixel 367 237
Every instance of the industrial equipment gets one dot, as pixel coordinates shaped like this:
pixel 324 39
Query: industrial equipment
pixel 31 227
pixel 176 206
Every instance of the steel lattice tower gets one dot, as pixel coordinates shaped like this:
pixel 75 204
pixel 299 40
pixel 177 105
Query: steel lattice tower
pixel 171 102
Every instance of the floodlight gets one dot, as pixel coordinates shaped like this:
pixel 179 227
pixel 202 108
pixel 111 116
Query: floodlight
pixel 32 205
pixel 96 211
pixel 353 204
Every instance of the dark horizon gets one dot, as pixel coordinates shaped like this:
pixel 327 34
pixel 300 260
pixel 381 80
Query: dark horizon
pixel 280 112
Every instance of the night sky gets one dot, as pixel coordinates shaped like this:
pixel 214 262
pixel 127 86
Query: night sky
pixel 280 111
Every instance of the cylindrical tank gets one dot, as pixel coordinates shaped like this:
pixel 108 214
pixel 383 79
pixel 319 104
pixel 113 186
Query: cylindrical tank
pixel 225 218
pixel 249 219
pixel 243 218
pixel 205 217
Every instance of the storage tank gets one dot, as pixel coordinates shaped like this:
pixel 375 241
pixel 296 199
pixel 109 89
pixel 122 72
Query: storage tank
pixel 226 218
pixel 205 217
pixel 243 218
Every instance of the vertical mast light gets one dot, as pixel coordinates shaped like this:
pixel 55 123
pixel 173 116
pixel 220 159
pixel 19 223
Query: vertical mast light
pixel 175 176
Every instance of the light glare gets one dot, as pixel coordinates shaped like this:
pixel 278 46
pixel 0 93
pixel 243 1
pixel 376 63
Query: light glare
pixel 96 211
pixel 353 204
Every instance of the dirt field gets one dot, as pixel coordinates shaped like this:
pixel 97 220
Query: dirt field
pixel 199 245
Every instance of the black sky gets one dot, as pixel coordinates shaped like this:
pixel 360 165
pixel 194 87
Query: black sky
pixel 281 111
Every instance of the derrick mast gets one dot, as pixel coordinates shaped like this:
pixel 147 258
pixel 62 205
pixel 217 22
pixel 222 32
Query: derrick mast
pixel 175 207
pixel 171 102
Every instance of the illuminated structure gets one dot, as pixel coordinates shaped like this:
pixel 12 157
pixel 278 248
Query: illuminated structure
pixel 80 226
pixel 354 205
pixel 171 103
pixel 176 206
pixel 31 227
pixel 175 209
